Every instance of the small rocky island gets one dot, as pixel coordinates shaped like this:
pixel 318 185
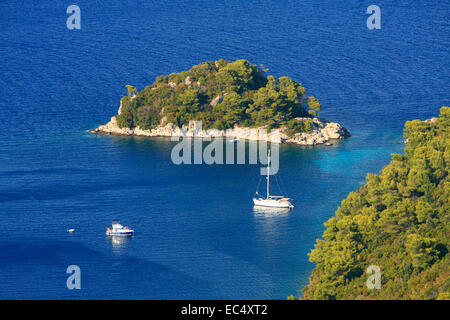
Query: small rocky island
pixel 231 99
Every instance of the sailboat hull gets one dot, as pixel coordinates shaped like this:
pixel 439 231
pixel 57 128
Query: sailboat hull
pixel 272 203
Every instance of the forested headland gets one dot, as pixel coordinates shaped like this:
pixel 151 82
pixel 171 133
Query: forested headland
pixel 398 221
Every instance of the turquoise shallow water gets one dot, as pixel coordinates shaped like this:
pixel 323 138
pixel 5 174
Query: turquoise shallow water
pixel 196 233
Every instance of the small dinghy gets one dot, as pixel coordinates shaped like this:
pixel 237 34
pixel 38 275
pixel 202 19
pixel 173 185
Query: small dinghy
pixel 70 230
pixel 117 229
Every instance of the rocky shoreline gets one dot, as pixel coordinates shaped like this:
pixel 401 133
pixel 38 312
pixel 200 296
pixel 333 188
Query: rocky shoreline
pixel 322 133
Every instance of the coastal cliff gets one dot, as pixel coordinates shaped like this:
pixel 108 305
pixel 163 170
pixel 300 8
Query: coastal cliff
pixel 231 99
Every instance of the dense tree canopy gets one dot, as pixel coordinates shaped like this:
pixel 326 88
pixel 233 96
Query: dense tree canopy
pixel 221 94
pixel 399 221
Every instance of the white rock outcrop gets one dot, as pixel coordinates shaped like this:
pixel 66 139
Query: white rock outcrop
pixel 323 131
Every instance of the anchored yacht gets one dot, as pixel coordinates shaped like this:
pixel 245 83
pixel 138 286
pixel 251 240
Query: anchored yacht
pixel 269 200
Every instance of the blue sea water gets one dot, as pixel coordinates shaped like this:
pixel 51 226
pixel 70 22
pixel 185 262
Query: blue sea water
pixel 197 236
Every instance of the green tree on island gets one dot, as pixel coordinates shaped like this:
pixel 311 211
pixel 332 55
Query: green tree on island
pixel 130 89
pixel 315 105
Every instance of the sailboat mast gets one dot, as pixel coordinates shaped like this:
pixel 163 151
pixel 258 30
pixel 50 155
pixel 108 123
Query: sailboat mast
pixel 268 174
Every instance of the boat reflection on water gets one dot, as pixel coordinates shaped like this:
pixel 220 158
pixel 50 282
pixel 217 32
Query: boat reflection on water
pixel 269 223
pixel 270 212
pixel 118 242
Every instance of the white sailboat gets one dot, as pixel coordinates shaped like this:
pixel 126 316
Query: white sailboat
pixel 272 201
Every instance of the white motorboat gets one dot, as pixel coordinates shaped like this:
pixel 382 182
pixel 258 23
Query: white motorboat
pixel 118 230
pixel 272 201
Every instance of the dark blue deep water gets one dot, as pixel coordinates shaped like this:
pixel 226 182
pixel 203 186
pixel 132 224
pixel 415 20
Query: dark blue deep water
pixel 196 233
